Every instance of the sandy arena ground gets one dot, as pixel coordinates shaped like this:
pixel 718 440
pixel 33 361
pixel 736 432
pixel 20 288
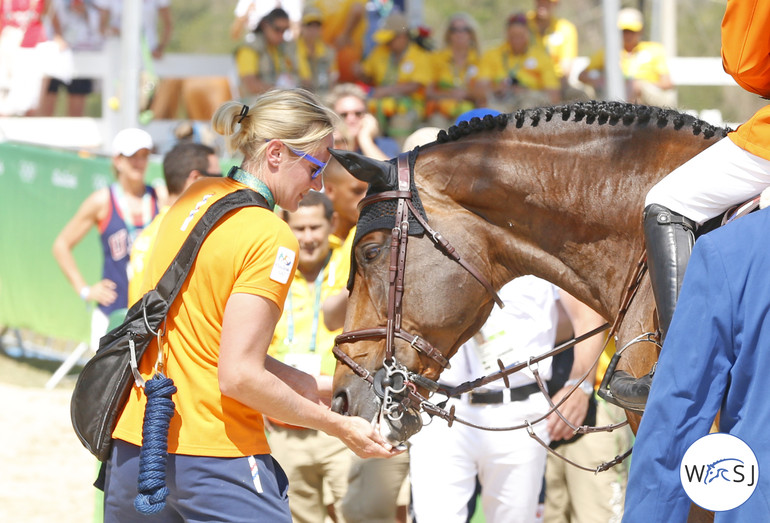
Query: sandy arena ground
pixel 45 473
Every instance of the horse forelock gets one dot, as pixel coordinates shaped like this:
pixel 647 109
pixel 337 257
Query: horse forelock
pixel 593 112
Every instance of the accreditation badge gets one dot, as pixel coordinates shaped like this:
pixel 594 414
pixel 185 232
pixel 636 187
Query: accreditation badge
pixel 492 346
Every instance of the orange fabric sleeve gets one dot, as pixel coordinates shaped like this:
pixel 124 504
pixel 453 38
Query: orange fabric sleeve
pixel 745 44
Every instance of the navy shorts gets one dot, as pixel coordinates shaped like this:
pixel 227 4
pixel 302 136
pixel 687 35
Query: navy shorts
pixel 200 489
pixel 76 86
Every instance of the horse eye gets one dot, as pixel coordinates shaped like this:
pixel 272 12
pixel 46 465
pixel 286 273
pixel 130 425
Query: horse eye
pixel 370 252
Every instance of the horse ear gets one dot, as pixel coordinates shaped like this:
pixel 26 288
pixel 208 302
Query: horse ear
pixel 380 175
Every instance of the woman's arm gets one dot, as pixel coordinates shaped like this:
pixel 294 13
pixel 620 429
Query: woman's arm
pixel 246 374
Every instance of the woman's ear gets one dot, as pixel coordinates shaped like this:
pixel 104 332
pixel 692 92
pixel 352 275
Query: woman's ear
pixel 273 153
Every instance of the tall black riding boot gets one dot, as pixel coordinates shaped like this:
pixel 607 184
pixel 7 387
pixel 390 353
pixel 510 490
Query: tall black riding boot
pixel 669 237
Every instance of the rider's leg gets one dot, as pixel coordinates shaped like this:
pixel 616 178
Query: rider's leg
pixel 703 187
pixel 669 237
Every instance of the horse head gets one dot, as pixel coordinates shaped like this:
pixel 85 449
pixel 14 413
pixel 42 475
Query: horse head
pixel 418 351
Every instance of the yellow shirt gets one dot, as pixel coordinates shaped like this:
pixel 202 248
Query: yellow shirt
pixel 317 72
pixel 381 70
pixel 646 62
pixel 250 251
pixel 301 339
pixel 533 70
pixel 140 253
pixel 446 75
pixel 335 14
pixel 560 40
pixel 341 256
pixel 414 66
pixel 272 64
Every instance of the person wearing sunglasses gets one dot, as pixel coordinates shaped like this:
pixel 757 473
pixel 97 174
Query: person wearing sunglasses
pixel 220 326
pixel 454 88
pixel 359 130
pixel 266 60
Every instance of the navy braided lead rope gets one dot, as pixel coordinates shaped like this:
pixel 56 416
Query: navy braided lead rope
pixel 154 452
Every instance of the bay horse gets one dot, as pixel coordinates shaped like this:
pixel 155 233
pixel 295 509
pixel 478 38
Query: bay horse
pixel 556 192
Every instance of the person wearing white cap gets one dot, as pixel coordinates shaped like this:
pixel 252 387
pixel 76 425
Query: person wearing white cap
pixel 643 64
pixel 119 212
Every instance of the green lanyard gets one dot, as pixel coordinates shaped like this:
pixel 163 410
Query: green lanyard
pixel 251 181
pixel 316 311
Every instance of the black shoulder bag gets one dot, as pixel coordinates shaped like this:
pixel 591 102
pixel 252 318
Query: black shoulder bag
pixel 105 382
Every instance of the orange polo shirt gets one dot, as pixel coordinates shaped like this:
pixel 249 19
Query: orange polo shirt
pixel 252 251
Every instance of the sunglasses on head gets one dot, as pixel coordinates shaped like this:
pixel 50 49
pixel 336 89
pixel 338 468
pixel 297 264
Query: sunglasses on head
pixel 459 29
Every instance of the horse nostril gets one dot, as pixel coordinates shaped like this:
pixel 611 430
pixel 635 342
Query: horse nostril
pixel 340 403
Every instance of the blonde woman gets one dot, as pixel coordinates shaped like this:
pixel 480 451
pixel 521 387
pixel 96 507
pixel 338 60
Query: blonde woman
pixel 455 70
pixel 220 326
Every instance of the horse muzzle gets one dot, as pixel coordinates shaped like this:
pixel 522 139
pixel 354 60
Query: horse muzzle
pixel 394 415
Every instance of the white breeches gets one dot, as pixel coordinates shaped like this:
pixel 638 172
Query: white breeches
pixel 711 182
pixel 444 462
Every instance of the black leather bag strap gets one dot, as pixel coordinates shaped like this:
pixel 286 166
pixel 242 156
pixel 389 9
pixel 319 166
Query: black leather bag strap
pixel 177 271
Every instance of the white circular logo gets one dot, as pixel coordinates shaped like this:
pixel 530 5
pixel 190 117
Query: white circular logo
pixel 719 472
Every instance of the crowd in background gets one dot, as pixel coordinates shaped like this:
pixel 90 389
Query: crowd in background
pixel 412 75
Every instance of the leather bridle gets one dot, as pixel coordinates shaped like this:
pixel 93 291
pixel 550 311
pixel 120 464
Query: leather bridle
pixel 394 378
pixel 395 384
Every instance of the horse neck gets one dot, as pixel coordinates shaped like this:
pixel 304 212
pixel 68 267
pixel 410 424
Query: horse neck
pixel 547 212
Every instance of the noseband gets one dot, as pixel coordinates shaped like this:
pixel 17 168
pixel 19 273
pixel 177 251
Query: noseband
pixel 394 378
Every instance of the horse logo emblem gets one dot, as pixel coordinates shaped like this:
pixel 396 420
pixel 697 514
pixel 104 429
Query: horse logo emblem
pixel 719 472
pixel 719 469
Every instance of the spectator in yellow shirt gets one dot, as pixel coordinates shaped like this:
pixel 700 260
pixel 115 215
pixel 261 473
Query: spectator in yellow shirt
pixel 316 61
pixel 454 89
pixel 266 60
pixel 398 71
pixel 182 165
pixel 516 74
pixel 558 36
pixel 643 64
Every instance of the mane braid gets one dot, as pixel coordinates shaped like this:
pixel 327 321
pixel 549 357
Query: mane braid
pixel 591 112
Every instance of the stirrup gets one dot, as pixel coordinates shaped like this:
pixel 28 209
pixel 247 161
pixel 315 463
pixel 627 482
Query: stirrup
pixel 623 390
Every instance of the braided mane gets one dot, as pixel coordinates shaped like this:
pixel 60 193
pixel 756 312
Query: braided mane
pixel 591 112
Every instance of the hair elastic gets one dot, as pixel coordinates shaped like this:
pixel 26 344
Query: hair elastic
pixel 244 113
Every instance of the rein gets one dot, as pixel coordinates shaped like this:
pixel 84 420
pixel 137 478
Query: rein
pixel 396 384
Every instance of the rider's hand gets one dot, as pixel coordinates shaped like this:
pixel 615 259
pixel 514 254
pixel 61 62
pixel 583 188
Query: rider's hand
pixel 573 409
pixel 362 438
